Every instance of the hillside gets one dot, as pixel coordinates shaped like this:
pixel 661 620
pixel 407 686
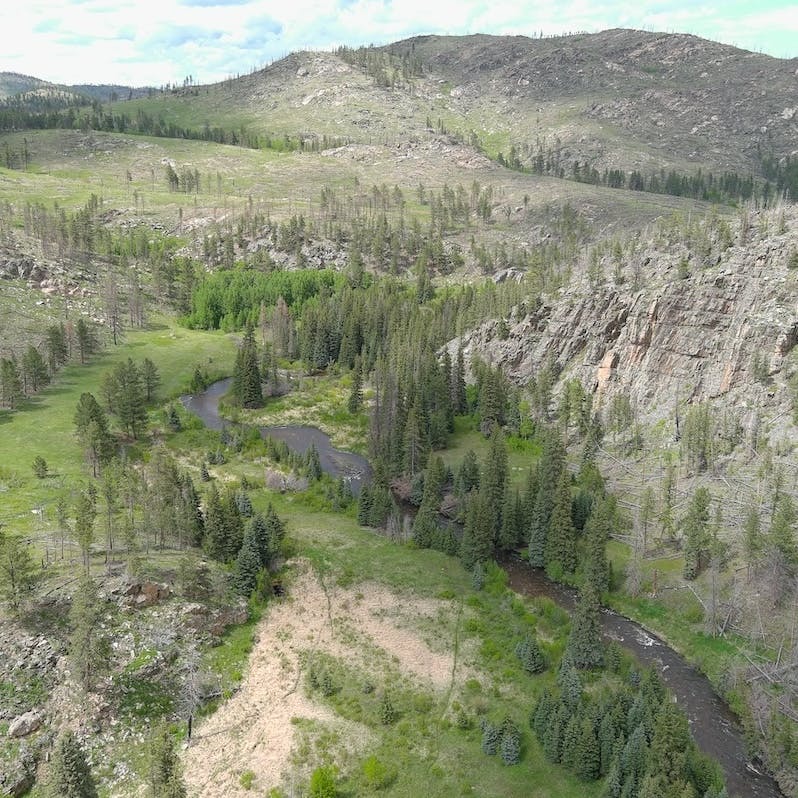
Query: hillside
pixel 620 99
pixel 542 292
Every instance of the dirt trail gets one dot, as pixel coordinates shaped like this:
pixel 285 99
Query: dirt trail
pixel 368 626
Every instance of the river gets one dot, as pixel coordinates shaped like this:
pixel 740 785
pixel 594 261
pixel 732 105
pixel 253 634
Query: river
pixel 714 726
pixel 351 467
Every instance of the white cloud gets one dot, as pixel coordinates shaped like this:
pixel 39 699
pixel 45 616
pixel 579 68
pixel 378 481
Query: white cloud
pixel 157 41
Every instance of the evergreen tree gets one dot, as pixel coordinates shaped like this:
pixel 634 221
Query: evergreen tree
pixel 10 382
pixel 468 475
pixel 165 778
pixel 598 530
pixel 528 651
pixel 477 544
pixel 585 647
pixel 782 533
pixel 85 515
pixel 57 348
pixel 491 738
pixel 550 468
pixel 216 539
pixel 510 745
pixel 587 757
pixel 130 397
pixel 34 370
pixel 18 573
pixel 561 538
pixel 695 528
pixel 247 566
pixel 542 713
pixel 69 776
pixel 85 338
pixel 150 378
pixel 91 429
pixel 458 385
pixel 425 524
pixel 355 401
pixel 494 480
pixel 89 650
pixel 313 464
pixel 247 388
pixel 512 518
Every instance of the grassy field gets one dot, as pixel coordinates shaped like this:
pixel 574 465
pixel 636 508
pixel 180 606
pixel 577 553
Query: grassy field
pixel 44 424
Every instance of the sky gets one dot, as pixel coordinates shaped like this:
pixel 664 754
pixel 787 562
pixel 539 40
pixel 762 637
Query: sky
pixel 154 42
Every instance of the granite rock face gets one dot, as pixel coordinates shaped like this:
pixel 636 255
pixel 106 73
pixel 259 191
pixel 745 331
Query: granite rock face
pixel 705 332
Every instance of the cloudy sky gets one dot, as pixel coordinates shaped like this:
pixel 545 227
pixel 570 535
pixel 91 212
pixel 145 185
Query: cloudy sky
pixel 152 42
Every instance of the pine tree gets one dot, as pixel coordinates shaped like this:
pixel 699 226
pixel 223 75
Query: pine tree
pixel 69 776
pixel 150 378
pixel 216 541
pixel 542 714
pixel 57 349
pixel 491 738
pixel 695 528
pixel 91 429
pixel 165 778
pixel 89 650
pixel 458 385
pixel 34 370
pixel 85 515
pixel 86 341
pixel 10 382
pixel 587 757
pixel 130 401
pixel 510 745
pixel 247 566
pixel 561 538
pixel 313 464
pixel 549 471
pixel 598 531
pixel 585 647
pixel 512 516
pixel 477 543
pixel 528 651
pixel 425 524
pixel 355 401
pixel 247 388
pixel 468 475
pixel 494 480
pixel 18 572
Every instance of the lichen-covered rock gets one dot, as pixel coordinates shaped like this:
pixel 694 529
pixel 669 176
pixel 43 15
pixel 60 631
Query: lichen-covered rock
pixel 25 724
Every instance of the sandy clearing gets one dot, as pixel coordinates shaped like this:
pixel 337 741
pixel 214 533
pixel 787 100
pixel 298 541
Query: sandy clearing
pixel 367 626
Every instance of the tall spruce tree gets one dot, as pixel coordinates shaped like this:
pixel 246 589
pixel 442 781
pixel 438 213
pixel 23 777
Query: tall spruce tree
pixel 695 528
pixel 561 538
pixel 165 772
pixel 585 649
pixel 549 472
pixel 247 388
pixel 89 650
pixel 477 543
pixel 69 776
pixel 91 429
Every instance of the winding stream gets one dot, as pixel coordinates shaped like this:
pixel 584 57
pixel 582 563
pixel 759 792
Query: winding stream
pixel 351 467
pixel 714 726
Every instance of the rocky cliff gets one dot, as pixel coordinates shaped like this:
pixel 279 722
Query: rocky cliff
pixel 704 315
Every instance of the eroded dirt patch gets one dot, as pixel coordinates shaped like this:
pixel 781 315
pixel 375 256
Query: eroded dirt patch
pixel 366 626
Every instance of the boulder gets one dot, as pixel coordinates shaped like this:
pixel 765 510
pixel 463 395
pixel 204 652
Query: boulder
pixel 26 724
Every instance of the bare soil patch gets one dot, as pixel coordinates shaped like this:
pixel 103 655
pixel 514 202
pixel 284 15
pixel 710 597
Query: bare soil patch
pixel 261 726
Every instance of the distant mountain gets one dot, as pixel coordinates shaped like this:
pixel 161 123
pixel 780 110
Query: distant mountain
pixel 617 100
pixel 30 92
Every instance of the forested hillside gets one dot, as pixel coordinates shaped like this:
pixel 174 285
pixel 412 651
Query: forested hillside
pixel 301 370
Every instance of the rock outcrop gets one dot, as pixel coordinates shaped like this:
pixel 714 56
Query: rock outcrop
pixel 691 334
